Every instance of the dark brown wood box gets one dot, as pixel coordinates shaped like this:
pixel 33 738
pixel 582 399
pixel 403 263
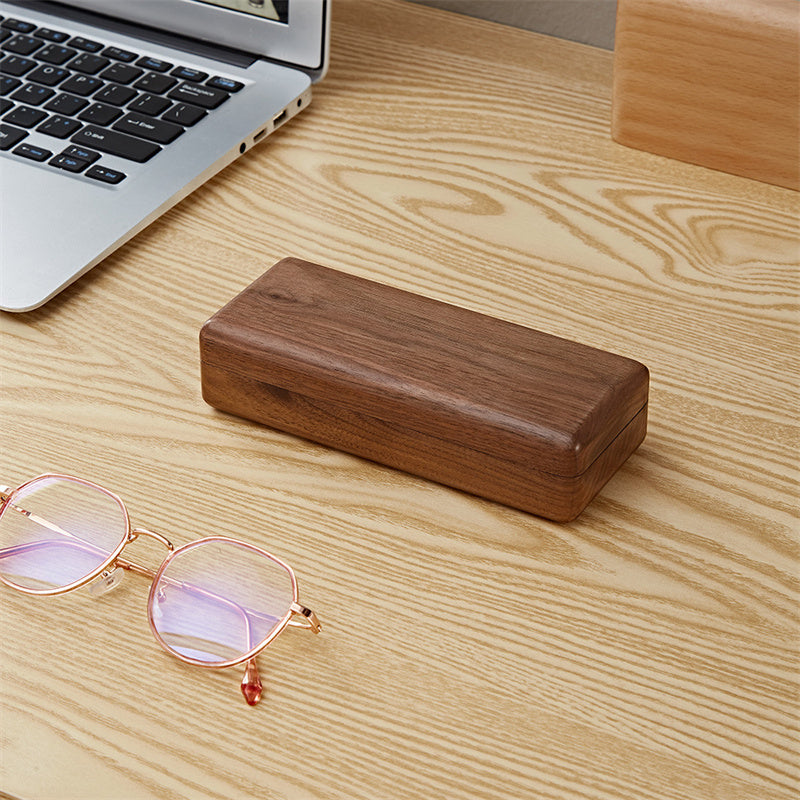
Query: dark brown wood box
pixel 502 411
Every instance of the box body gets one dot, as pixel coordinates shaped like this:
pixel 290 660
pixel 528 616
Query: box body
pixel 492 408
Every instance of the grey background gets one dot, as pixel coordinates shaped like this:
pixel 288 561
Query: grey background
pixel 587 21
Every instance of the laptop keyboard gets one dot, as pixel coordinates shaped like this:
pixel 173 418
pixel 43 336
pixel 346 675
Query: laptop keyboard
pixel 68 102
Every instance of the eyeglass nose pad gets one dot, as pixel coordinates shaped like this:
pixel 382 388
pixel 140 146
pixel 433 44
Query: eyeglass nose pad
pixel 109 579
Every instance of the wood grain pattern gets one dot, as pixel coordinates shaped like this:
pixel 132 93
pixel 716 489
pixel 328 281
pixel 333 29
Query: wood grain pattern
pixel 646 651
pixel 711 82
pixel 499 410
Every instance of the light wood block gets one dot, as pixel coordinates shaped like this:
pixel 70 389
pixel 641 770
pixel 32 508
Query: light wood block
pixel 645 651
pixel 711 82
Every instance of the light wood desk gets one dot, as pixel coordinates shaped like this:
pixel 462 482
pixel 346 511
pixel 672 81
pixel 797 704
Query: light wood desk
pixel 647 651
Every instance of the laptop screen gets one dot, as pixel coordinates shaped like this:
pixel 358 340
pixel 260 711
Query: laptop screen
pixel 271 9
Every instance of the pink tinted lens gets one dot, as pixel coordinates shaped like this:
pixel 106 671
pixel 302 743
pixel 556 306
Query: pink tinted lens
pixel 55 532
pixel 217 600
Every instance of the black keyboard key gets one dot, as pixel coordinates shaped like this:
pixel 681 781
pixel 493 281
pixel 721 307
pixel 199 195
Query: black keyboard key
pixel 32 94
pixel 22 45
pixel 16 65
pixel 116 144
pixel 121 73
pixel 59 127
pixel 154 64
pixel 84 85
pixel 226 84
pixel 202 96
pixel 5 35
pixel 149 104
pixel 8 84
pixel 83 153
pixel 5 105
pixel 33 152
pixel 119 55
pixel 155 83
pixel 115 94
pixel 87 45
pixel 56 54
pixel 10 136
pixel 67 104
pixel 88 64
pixel 100 114
pixel 184 114
pixel 48 75
pixel 189 74
pixel 25 117
pixel 51 35
pixel 106 175
pixel 69 163
pixel 18 25
pixel 154 130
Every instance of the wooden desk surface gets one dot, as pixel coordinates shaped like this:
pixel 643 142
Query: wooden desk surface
pixel 647 650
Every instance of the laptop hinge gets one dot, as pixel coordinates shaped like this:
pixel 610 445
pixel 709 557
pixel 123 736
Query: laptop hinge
pixel 227 55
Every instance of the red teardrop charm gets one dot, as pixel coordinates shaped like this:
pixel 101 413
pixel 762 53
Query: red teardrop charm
pixel 251 683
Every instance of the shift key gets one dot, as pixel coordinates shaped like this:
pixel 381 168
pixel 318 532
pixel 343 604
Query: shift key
pixel 116 144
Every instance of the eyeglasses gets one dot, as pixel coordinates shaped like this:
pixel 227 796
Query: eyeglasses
pixel 215 602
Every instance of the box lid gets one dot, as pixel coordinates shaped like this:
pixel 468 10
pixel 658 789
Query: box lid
pixel 496 387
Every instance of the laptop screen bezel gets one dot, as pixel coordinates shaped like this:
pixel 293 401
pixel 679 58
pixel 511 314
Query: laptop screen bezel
pixel 300 41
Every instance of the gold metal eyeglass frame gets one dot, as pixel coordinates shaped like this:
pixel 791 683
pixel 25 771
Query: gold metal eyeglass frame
pixel 297 615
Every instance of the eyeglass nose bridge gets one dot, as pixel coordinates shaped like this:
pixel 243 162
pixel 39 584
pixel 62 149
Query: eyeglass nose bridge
pixel 137 532
pixel 138 568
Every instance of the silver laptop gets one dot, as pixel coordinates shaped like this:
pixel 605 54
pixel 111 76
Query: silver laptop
pixel 111 111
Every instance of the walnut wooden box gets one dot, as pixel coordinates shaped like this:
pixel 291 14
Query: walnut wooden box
pixel 502 411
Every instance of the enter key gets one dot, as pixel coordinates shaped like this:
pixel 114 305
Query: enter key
pixel 154 130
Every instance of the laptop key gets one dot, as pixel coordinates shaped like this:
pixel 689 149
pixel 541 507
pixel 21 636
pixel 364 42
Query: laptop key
pixel 56 54
pixel 10 136
pixel 88 63
pixel 226 84
pixel 184 114
pixel 67 104
pixel 69 163
pixel 5 105
pixel 119 55
pixel 32 94
pixel 150 105
pixel 155 83
pixel 33 152
pixel 25 116
pixel 16 65
pixel 51 35
pixel 154 130
pixel 189 74
pixel 202 96
pixel 84 85
pixel 22 45
pixel 48 75
pixel 116 144
pixel 100 114
pixel 83 153
pixel 121 73
pixel 154 64
pixel 88 45
pixel 59 127
pixel 116 95
pixel 106 175
pixel 18 25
